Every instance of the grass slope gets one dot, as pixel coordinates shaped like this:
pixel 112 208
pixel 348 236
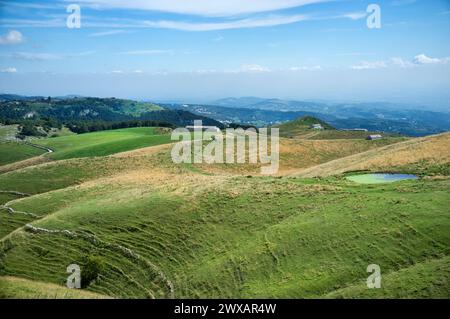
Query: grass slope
pixel 164 230
pixel 8 132
pixel 270 237
pixel 103 143
pixel 11 152
pixel 19 288
pixel 301 129
pixel 427 155
pixel 301 126
pixel 422 280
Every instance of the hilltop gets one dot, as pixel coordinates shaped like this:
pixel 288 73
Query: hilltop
pixel 302 126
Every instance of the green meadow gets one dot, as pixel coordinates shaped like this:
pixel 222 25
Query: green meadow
pixel 153 229
pixel 11 152
pixel 103 143
pixel 283 238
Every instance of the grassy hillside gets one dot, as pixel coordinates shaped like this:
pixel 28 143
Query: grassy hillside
pixel 427 155
pixel 297 154
pixel 429 278
pixel 301 129
pixel 8 132
pixel 198 235
pixel 301 126
pixel 162 230
pixel 19 288
pixel 12 152
pixel 103 143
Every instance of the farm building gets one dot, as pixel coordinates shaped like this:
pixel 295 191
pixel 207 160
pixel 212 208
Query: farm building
pixel 317 127
pixel 374 137
pixel 203 128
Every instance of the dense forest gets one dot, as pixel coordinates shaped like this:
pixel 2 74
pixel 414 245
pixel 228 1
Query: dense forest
pixel 83 115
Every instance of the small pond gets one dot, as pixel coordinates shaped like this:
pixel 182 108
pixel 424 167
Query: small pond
pixel 380 178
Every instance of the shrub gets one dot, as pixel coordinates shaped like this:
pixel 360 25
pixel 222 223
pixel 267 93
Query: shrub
pixel 92 267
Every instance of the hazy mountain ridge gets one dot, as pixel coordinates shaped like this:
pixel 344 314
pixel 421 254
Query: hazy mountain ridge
pixel 377 116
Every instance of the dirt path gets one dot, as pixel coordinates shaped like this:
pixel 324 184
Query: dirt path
pixel 48 150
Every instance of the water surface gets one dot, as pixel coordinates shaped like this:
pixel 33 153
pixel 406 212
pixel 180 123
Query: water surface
pixel 380 178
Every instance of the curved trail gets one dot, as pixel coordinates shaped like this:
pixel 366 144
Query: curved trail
pixel 90 238
pixel 49 150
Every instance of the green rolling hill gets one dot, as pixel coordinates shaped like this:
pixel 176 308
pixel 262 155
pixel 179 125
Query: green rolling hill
pixel 104 142
pixel 160 230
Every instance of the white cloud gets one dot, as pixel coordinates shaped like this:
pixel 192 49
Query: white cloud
pixel 12 37
pixel 35 56
pixel 401 62
pixel 365 65
pixel 29 5
pixel 138 71
pixel 355 15
pixel 106 33
pixel 420 59
pixel 146 52
pixel 217 8
pixel 306 68
pixel 32 56
pixel 402 2
pixel 253 68
pixel 117 72
pixel 9 70
pixel 236 24
pixel 218 38
pixel 423 59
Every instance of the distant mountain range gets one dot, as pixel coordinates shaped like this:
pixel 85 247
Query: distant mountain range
pixel 377 116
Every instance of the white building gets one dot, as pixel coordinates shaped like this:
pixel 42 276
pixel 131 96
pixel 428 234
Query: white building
pixel 192 128
pixel 317 127
pixel 374 137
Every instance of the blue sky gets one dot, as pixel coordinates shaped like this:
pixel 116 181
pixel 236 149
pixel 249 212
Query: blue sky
pixel 199 50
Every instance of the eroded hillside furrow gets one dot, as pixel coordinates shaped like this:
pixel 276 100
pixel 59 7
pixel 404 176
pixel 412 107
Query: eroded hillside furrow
pixel 126 252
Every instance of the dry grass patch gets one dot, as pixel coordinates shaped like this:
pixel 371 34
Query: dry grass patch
pixel 432 149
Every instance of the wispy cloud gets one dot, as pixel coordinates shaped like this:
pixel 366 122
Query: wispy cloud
pixel 9 70
pixel 219 38
pixel 30 23
pixel 33 56
pixel 147 52
pixel 354 15
pixel 30 5
pixel 106 33
pixel 418 60
pixel 402 2
pixel 306 68
pixel 12 37
pixel 236 24
pixel 401 62
pixel 217 8
pixel 252 68
pixel 365 65
pixel 424 59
